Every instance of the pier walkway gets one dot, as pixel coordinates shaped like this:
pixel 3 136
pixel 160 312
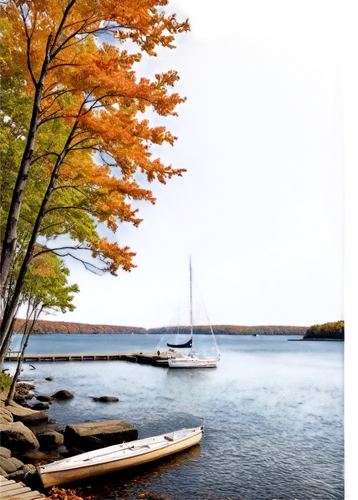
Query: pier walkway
pixel 10 489
pixel 143 358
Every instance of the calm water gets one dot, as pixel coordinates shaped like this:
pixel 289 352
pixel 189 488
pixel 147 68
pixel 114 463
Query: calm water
pixel 273 414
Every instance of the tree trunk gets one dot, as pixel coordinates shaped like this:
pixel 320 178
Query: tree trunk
pixel 10 311
pixel 6 342
pixel 11 394
pixel 10 235
pixel 15 207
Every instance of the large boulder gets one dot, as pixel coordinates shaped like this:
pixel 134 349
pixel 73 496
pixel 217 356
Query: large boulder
pixel 4 452
pixel 63 395
pixel 17 437
pixel 50 439
pixel 96 435
pixel 26 415
pixel 5 416
pixel 10 464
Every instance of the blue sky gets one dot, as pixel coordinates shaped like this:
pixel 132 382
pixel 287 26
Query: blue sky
pixel 261 208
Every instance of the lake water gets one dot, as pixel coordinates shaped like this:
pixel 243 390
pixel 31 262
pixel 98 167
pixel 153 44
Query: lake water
pixel 273 410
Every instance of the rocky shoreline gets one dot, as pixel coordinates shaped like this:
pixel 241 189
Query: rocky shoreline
pixel 29 438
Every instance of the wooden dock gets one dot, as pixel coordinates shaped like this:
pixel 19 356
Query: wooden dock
pixel 142 358
pixel 10 489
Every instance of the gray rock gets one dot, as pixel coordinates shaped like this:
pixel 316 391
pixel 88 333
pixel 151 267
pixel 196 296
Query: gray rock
pixel 10 464
pixel 60 429
pixel 4 452
pixel 17 437
pixel 50 439
pixel 23 385
pixel 18 475
pixel 28 468
pixel 63 395
pixel 26 415
pixel 44 398
pixel 96 435
pixel 105 399
pixel 22 395
pixel 41 406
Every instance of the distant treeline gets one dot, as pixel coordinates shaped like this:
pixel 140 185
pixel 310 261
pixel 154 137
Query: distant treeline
pixel 334 331
pixel 235 330
pixel 43 326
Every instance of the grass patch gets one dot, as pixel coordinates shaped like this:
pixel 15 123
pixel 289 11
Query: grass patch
pixel 5 381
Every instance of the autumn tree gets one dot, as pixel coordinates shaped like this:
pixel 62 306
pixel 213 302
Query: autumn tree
pixel 15 109
pixel 83 132
pixel 45 290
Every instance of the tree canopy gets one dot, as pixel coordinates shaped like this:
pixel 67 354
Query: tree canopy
pixel 333 330
pixel 74 147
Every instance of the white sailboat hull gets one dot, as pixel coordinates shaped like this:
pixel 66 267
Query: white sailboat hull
pixel 118 457
pixel 192 362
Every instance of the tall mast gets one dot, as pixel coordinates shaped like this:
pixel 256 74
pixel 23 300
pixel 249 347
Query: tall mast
pixel 178 323
pixel 191 302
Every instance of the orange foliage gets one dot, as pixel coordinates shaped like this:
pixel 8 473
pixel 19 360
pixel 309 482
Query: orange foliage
pixel 63 494
pixel 91 86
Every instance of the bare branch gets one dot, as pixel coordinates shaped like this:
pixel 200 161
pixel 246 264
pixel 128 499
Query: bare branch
pixel 64 64
pixel 28 43
pixel 76 188
pixel 54 250
pixel 89 210
pixel 52 225
pixel 42 156
pixel 88 265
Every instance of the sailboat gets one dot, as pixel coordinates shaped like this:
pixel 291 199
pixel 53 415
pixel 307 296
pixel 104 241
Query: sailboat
pixel 191 360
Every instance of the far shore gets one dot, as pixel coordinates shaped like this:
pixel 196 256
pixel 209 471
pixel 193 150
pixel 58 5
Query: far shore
pixel 317 340
pixel 157 333
pixel 62 327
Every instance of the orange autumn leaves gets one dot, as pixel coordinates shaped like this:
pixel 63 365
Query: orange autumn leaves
pixel 93 99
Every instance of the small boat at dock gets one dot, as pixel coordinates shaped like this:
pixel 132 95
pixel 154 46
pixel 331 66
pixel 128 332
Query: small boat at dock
pixel 192 359
pixel 117 457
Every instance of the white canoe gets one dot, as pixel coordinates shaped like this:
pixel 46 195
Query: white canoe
pixel 192 362
pixel 117 457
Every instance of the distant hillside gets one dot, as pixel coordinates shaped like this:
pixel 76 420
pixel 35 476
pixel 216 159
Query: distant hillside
pixel 236 330
pixel 43 326
pixel 327 331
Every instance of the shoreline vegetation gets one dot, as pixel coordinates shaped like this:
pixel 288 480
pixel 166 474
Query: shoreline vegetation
pixel 44 327
pixel 327 331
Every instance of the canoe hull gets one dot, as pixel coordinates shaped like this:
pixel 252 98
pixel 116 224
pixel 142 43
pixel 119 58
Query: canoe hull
pixel 55 478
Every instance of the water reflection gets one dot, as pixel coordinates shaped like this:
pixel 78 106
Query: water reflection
pixel 191 374
pixel 128 480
